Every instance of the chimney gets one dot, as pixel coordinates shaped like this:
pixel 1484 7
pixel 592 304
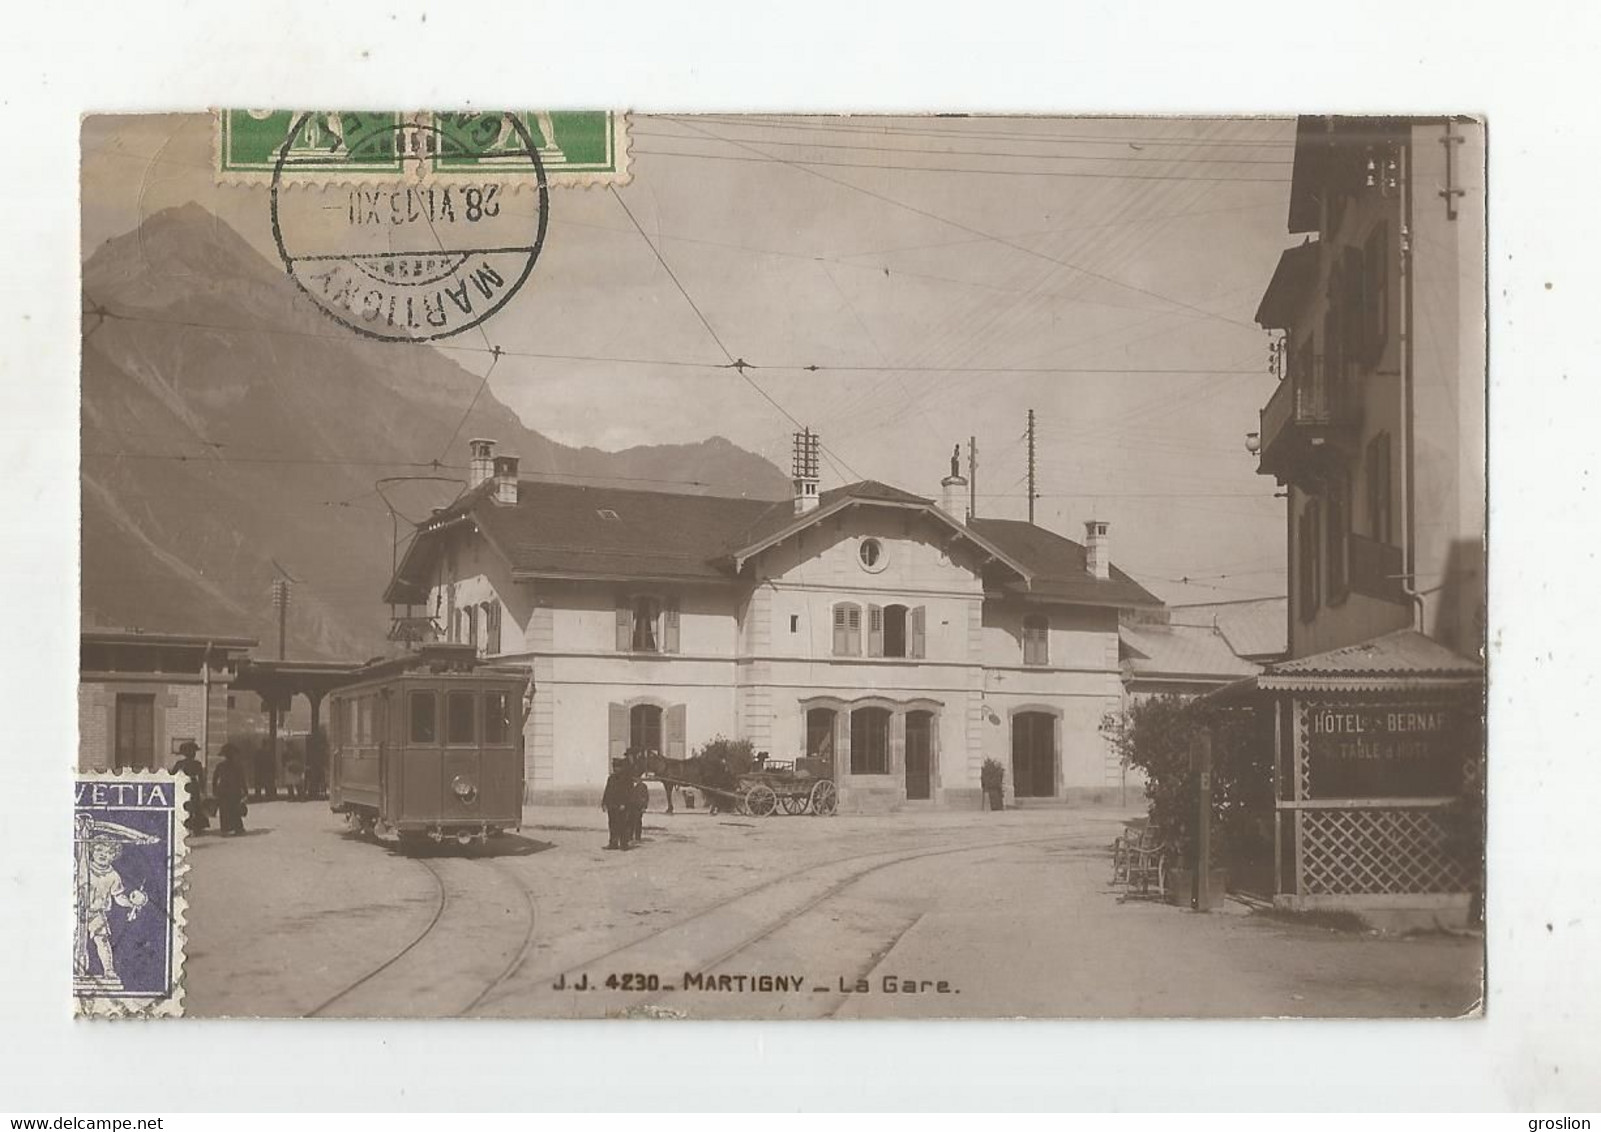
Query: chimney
pixel 953 487
pixel 805 471
pixel 506 480
pixel 1097 549
pixel 482 466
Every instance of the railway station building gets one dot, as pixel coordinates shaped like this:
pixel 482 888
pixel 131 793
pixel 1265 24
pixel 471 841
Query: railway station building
pixel 894 635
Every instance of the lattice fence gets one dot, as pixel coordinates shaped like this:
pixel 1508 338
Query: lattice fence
pixel 1399 851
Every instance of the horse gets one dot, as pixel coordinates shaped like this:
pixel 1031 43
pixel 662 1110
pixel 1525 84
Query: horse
pixel 697 770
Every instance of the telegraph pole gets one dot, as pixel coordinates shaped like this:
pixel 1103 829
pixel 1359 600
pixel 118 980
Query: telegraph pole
pixel 1032 493
pixel 972 477
pixel 280 602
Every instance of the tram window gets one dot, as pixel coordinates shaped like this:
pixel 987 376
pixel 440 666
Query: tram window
pixel 364 714
pixel 423 727
pixel 497 718
pixel 459 717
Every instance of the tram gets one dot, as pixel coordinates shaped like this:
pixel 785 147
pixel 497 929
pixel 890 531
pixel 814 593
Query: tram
pixel 429 747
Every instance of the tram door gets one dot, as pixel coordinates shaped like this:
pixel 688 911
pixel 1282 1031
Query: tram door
pixel 919 755
pixel 1034 754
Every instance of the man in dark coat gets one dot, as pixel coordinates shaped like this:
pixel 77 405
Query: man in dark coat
pixel 638 800
pixel 195 788
pixel 266 769
pixel 228 787
pixel 616 801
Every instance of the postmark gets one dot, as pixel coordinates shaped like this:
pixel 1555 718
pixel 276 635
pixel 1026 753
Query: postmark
pixel 412 258
pixel 577 148
pixel 128 894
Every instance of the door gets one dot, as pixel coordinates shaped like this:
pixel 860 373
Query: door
pixel 919 755
pixel 1034 754
pixel 135 742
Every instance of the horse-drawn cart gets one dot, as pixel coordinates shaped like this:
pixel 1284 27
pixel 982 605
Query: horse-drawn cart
pixel 805 785
pixel 798 787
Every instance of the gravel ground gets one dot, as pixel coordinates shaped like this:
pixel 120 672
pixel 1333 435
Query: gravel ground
pixel 1011 911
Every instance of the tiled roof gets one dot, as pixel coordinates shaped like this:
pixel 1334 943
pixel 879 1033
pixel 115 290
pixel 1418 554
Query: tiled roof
pixel 1060 567
pixel 1404 652
pixel 1180 651
pixel 573 529
pixel 1256 627
pixel 570 529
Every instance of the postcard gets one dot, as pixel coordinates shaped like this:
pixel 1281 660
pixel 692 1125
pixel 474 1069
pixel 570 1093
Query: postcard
pixel 581 564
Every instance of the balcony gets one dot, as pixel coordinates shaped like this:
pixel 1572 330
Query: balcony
pixel 1301 424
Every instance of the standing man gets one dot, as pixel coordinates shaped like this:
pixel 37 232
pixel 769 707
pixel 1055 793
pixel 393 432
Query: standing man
pixel 638 800
pixel 195 788
pixel 228 786
pixel 616 801
pixel 266 772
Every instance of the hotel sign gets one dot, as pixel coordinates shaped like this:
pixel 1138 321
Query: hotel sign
pixel 1386 750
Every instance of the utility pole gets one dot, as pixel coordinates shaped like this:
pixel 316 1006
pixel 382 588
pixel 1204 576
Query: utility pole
pixel 280 602
pixel 972 477
pixel 1033 494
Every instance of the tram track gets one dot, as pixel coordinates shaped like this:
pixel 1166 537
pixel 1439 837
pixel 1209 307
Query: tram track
pixel 464 893
pixel 452 893
pixel 768 927
pixel 440 904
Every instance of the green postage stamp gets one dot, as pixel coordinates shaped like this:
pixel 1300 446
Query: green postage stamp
pixel 574 147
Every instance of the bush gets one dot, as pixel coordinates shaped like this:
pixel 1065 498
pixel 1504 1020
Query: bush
pixel 738 755
pixel 1154 736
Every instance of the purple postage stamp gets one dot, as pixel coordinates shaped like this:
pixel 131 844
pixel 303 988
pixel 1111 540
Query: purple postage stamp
pixel 128 863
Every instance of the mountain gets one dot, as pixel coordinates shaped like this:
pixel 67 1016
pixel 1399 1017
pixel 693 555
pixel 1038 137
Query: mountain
pixel 231 431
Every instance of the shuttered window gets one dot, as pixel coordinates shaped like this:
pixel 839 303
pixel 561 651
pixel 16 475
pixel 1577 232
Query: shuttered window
pixel 1307 561
pixel 491 628
pixel 847 629
pixel 1036 639
pixel 647 623
pixel 646 726
pixel 1376 293
pixel 919 633
pixel 670 625
pixel 1376 472
pixel 1336 541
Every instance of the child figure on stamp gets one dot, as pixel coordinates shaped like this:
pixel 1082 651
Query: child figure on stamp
pixel 101 887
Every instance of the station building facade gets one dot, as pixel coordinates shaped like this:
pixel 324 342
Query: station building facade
pixel 899 638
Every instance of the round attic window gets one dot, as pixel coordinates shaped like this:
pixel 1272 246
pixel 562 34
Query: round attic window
pixel 871 555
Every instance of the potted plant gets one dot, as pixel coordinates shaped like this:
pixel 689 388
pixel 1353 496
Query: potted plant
pixel 992 778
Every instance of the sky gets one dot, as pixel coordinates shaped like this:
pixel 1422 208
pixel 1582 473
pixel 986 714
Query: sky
pixel 943 275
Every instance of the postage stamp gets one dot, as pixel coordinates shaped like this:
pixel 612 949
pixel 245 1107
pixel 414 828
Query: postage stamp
pixel 339 147
pixel 416 259
pixel 128 894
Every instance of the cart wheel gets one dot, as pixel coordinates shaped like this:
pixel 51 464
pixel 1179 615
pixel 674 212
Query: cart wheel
pixel 795 803
pixel 761 800
pixel 825 799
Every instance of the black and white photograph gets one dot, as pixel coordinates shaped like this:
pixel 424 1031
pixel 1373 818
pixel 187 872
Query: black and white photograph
pixel 607 565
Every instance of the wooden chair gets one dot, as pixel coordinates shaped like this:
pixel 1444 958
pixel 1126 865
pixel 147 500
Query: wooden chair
pixel 1139 860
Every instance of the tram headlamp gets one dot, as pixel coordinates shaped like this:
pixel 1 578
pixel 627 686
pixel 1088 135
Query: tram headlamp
pixel 463 789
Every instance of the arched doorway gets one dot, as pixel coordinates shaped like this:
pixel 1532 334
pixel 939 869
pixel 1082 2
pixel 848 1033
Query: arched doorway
pixel 820 724
pixel 1034 754
pixel 645 728
pixel 919 755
